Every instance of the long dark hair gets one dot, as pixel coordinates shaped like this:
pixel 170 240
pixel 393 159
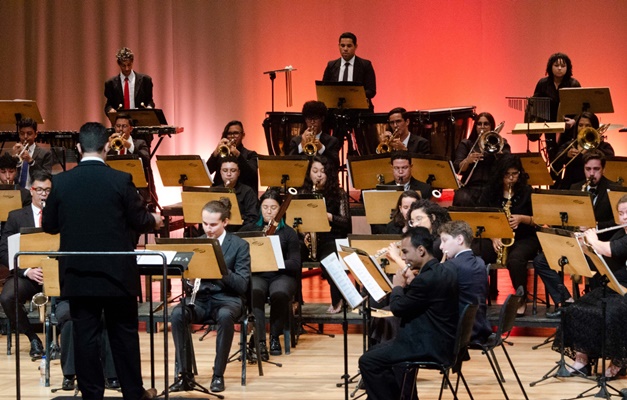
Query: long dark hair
pixel 397 215
pixel 331 188
pixel 494 188
pixel 474 134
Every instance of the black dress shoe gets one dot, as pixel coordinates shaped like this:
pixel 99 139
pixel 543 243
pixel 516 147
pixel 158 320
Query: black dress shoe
pixel 264 351
pixel 217 384
pixel 112 383
pixel 36 349
pixel 182 383
pixel 555 314
pixel 275 346
pixel 68 383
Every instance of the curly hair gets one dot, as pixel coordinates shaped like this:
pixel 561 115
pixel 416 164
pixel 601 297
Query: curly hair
pixel 437 215
pixel 559 56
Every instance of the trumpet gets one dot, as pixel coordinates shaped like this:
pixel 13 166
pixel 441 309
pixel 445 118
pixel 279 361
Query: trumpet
pixel 587 139
pixel 310 147
pixel 24 147
pixel 224 150
pixel 116 143
pixel 385 147
pixel 488 142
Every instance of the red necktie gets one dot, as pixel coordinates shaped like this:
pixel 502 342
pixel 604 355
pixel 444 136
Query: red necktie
pixel 127 98
pixel 40 218
pixel 122 151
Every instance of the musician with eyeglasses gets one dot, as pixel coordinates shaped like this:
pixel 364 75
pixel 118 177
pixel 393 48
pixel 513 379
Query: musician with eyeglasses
pixel 402 170
pixel 231 143
pixel 31 156
pixel 30 279
pixel 399 136
pixel 314 140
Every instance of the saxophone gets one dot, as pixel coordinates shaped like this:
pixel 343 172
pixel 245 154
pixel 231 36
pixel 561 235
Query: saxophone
pixel 501 255
pixel 194 292
pixel 311 238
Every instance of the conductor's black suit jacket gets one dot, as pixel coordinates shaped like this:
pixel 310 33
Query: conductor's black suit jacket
pixel 114 92
pixel 96 208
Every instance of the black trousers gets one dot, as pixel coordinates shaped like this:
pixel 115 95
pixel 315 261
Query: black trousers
pixel 26 290
pixel 280 289
pixel 120 315
pixel 383 382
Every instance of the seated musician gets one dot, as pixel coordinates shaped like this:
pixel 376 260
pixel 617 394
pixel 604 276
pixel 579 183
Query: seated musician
pixel 400 138
pixel 30 279
pixel 8 172
pixel 232 138
pixel 246 197
pixel 574 171
pixel 322 178
pixel 507 188
pixel 123 126
pixel 472 274
pixel 32 157
pixel 597 185
pixel 467 155
pixel 427 304
pixel 220 300
pixel 278 286
pixel 398 223
pixel 314 114
pixel 401 168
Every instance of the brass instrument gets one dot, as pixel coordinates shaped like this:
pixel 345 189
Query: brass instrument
pixel 587 139
pixel 224 150
pixel 192 300
pixel 385 147
pixel 488 142
pixel 586 184
pixel 24 147
pixel 311 238
pixel 40 300
pixel 310 147
pixel 501 255
pixel 117 143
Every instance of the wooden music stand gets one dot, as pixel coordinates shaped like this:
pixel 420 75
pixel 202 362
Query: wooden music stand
pixel 535 166
pixel 564 252
pixel 486 223
pixel 10 199
pixel 615 195
pixel 282 171
pixel 183 171
pixel 50 269
pixel 365 172
pixel 195 198
pixel 577 100
pixel 32 239
pixel 604 269
pixel 142 116
pixel 307 215
pixel 132 164
pixel 562 208
pixel 13 111
pixel 372 244
pixel 379 205
pixel 265 252
pixel 342 95
pixel 616 169
pixel 207 261
pixel 436 171
pixel 538 128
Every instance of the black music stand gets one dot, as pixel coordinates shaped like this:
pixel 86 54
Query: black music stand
pixel 183 171
pixel 535 166
pixel 144 117
pixel 615 169
pixel 282 171
pixel 435 171
pixel 562 208
pixel 307 214
pixel 365 172
pixel 534 130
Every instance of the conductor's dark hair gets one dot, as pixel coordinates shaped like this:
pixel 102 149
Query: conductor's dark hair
pixel 124 116
pixel 420 236
pixel 594 154
pixel 314 109
pixel 93 137
pixel 457 228
pixel 7 161
pixel 398 110
pixel 400 155
pixel 348 35
pixel 27 123
pixel 41 176
pixel 474 134
pixel 124 54
pixel 566 59
pixel 222 206
pixel 225 132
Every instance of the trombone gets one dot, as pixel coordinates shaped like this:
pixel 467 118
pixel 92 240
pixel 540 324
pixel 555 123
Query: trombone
pixel 490 142
pixel 587 139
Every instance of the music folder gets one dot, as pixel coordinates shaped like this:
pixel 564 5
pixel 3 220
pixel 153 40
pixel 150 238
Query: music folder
pixel 31 239
pixel 335 269
pixel 207 261
pixel 367 271
pixel 266 254
pixel 10 199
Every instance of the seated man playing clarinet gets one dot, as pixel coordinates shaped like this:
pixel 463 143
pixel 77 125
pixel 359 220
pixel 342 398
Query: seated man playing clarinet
pixel 220 300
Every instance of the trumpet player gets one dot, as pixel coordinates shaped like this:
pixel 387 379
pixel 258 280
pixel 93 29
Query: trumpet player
pixel 314 114
pixel 232 139
pixel 8 172
pixel 31 157
pixel 246 197
pixel 30 279
pixel 399 137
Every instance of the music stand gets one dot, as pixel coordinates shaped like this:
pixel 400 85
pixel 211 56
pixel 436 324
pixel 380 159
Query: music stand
pixel 535 166
pixel 33 239
pixel 365 172
pixel 142 116
pixel 10 199
pixel 132 164
pixel 435 171
pixel 370 275
pixel 380 205
pixel 372 244
pixel 562 208
pixel 183 171
pixel 615 169
pixel 307 215
pixel 342 95
pixel 13 111
pixel 486 223
pixel 207 261
pixel 538 128
pixel 265 252
pixel 282 171
pixel 578 100
pixel 195 198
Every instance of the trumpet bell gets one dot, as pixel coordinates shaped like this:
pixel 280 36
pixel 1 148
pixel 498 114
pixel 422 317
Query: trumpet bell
pixel 310 149
pixel 116 143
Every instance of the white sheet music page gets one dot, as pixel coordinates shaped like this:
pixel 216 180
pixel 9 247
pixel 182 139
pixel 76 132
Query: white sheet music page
pixel 13 244
pixel 359 269
pixel 278 253
pixel 144 259
pixel 344 284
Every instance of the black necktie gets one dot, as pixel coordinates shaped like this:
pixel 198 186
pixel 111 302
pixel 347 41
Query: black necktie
pixel 345 76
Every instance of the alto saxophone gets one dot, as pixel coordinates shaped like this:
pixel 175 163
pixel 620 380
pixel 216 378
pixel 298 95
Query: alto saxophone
pixel 501 255
pixel 311 238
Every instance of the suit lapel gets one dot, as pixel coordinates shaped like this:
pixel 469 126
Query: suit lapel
pixel 138 84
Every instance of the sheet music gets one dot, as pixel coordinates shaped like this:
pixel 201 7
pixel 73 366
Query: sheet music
pixel 278 253
pixel 338 247
pixel 143 259
pixel 381 271
pixel 13 243
pixel 343 282
pixel 360 271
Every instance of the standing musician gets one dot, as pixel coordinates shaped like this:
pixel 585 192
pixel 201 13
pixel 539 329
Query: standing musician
pixel 597 186
pixel 473 165
pixel 32 157
pixel 246 197
pixel 278 286
pixel 400 138
pixel 221 300
pixel 314 140
pixel 129 89
pixel 508 189
pixel 401 168
pixel 231 140
pixel 8 172
pixel 322 179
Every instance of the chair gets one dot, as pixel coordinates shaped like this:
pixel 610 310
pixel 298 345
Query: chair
pixel 507 316
pixel 462 340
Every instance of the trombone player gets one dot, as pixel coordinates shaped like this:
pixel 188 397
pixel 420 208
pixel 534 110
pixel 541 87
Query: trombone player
pixel 314 141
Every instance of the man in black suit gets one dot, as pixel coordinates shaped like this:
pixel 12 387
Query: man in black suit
pixel 358 69
pixel 401 168
pixel 427 306
pixel 314 113
pixel 139 86
pixel 472 274
pixel 400 138
pixel 246 197
pixel 30 279
pixel 218 299
pixel 96 208
pixel 31 157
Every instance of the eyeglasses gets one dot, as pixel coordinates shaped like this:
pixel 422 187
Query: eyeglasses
pixel 40 190
pixel 415 221
pixel 236 133
pixel 512 174
pixel 122 126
